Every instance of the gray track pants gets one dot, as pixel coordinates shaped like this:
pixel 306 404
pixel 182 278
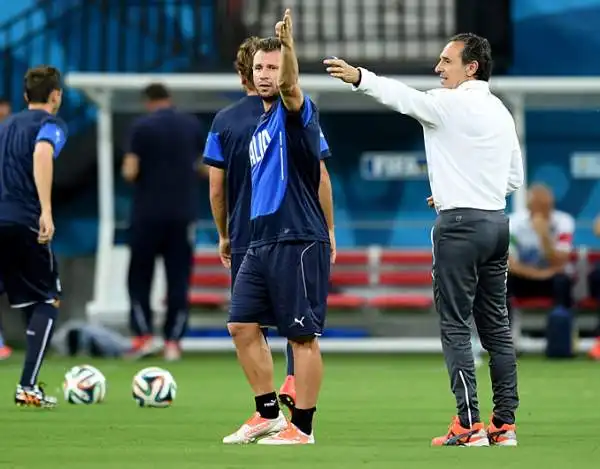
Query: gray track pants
pixel 470 249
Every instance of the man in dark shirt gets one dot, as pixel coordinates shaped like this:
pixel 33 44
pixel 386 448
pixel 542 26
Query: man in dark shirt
pixel 226 152
pixel 29 142
pixel 283 280
pixel 162 162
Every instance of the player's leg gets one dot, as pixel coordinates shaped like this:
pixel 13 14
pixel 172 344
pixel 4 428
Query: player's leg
pixel 298 280
pixel 250 309
pixel 144 242
pixel 456 254
pixel 177 254
pixel 287 392
pixel 491 318
pixel 5 350
pixel 31 282
pixel 594 288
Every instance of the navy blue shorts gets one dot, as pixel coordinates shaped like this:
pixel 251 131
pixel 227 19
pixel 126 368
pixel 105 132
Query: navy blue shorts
pixel 284 285
pixel 236 263
pixel 27 269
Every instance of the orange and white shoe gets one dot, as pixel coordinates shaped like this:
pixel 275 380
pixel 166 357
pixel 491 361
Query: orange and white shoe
pixel 289 436
pixel 459 436
pixel 141 347
pixel 5 352
pixel 172 352
pixel 287 393
pixel 594 352
pixel 506 435
pixel 256 427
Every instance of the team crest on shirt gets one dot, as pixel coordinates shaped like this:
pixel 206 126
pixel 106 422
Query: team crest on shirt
pixel 258 146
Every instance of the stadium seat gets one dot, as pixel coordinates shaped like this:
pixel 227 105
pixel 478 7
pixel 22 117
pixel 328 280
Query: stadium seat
pixel 406 257
pixel 406 278
pixel 206 259
pixel 589 304
pixel 344 301
pixel 208 300
pixel 593 257
pixel 532 303
pixel 352 258
pixel 401 302
pixel 349 278
pixel 211 279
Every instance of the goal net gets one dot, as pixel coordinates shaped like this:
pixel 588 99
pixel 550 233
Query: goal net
pixel 116 94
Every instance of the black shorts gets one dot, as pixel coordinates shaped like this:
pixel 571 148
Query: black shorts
pixel 236 262
pixel 284 285
pixel 27 269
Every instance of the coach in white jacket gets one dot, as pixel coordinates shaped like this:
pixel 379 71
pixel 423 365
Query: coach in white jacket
pixel 474 161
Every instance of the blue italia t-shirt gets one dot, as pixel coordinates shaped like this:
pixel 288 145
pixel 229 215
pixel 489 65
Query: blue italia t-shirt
pixel 227 148
pixel 285 155
pixel 19 201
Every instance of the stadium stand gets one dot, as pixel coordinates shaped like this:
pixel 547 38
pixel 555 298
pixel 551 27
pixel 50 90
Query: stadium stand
pixel 369 278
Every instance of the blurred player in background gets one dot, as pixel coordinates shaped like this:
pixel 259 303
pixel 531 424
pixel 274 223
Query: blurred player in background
pixel 29 142
pixel 162 162
pixel 5 350
pixel 283 280
pixel 226 152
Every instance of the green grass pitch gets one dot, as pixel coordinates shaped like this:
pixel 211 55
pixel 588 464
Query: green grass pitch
pixel 375 412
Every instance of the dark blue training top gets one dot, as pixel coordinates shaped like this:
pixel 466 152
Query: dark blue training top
pixel 19 201
pixel 227 148
pixel 285 168
pixel 168 144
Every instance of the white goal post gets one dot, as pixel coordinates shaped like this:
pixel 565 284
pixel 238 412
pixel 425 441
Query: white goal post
pixel 210 92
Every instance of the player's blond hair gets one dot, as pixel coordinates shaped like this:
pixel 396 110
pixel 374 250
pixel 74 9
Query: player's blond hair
pixel 244 59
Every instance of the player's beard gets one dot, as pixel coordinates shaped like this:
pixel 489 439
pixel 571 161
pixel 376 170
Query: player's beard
pixel 270 98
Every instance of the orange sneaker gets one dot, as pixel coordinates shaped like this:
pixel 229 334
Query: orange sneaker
pixel 289 436
pixel 141 346
pixel 5 352
pixel 287 393
pixel 459 436
pixel 506 435
pixel 172 351
pixel 594 352
pixel 254 428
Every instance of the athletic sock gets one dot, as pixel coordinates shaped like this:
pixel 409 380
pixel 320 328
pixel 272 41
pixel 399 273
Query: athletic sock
pixel 289 357
pixel 39 333
pixel 267 406
pixel 303 419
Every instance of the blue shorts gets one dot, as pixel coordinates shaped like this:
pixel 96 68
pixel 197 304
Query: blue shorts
pixel 236 263
pixel 284 285
pixel 27 269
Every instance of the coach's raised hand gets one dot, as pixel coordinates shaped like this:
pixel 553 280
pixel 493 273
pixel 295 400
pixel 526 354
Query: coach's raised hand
pixel 339 68
pixel 284 29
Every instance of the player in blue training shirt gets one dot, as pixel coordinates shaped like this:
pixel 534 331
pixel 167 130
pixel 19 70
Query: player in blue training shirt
pixel 226 152
pixel 29 142
pixel 284 277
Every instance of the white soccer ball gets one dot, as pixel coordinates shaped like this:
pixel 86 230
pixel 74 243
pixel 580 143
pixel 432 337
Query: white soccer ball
pixel 84 384
pixel 154 387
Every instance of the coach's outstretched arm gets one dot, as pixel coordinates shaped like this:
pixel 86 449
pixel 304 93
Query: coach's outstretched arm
pixel 422 106
pixel 289 89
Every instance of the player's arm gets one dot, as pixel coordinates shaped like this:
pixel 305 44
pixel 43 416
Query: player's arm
pixel 43 170
pixel 218 202
pixel 425 107
pixel 516 175
pixel 289 89
pixel 557 250
pixel 130 169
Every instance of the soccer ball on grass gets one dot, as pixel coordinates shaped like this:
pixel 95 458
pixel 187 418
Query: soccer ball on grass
pixel 84 384
pixel 154 387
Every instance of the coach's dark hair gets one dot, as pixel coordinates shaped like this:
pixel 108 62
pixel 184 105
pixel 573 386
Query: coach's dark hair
pixel 40 82
pixel 156 92
pixel 268 44
pixel 476 49
pixel 244 58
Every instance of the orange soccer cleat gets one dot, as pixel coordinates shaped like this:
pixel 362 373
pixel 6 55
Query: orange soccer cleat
pixel 506 435
pixel 459 436
pixel 289 436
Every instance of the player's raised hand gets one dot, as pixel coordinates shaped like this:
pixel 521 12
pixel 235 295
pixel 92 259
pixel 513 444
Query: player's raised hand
pixel 46 228
pixel 339 68
pixel 283 29
pixel 225 252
